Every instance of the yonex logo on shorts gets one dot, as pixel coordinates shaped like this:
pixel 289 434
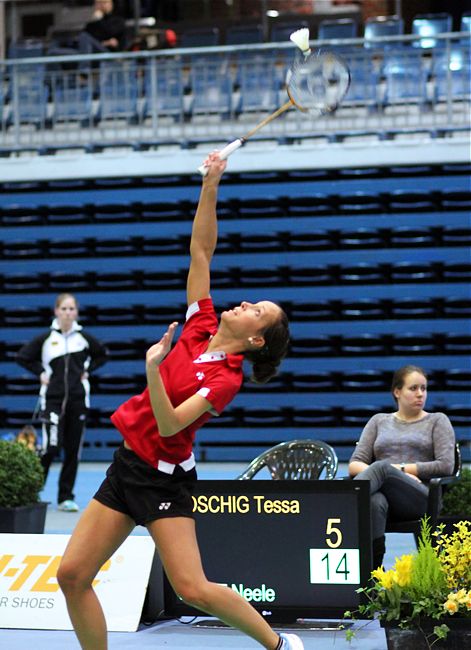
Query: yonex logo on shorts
pixel 165 505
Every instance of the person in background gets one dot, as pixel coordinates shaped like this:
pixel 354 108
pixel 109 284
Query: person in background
pixel 62 358
pixel 152 477
pixel 400 452
pixel 105 32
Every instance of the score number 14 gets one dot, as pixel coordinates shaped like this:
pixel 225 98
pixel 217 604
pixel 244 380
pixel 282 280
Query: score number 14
pixel 335 565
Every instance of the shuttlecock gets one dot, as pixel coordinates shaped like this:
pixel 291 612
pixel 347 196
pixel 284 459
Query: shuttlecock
pixel 301 38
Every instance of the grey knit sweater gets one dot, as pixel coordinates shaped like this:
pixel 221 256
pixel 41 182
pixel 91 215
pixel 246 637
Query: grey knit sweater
pixel 428 442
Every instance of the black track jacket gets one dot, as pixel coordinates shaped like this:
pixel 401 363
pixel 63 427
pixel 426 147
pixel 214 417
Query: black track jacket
pixel 64 358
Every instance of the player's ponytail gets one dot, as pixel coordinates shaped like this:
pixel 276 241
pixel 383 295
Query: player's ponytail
pixel 266 360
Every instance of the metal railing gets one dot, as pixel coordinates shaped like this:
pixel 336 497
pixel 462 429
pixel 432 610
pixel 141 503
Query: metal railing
pixel 187 96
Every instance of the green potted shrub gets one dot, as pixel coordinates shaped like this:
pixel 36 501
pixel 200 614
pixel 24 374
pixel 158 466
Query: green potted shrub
pixel 21 481
pixel 457 502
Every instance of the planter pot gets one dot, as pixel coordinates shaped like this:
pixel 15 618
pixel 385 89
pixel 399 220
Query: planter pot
pixel 24 519
pixel 459 636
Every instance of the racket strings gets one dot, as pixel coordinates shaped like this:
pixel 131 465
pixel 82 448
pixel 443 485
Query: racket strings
pixel 318 83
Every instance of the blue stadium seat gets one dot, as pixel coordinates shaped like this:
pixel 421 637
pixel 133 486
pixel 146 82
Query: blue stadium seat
pixel 24 49
pixel 405 78
pixel 24 317
pixel 68 248
pixel 455 199
pixel 364 380
pixel 59 282
pixel 362 238
pixel 200 37
pixel 364 81
pixel 113 213
pixel 457 307
pixel 452 236
pixel 411 200
pixel 337 28
pixel 413 308
pixel 414 272
pixel 316 204
pixel 465 26
pixel 411 344
pixel 320 381
pixel 28 94
pixel 164 89
pixel 21 283
pixel 24 250
pixel 452 72
pixel 259 86
pixel 244 34
pixel 457 379
pixel 456 272
pixel 364 308
pixel 211 88
pixel 119 91
pixel 413 237
pixel 382 26
pixel 72 100
pixel 429 25
pixel 360 202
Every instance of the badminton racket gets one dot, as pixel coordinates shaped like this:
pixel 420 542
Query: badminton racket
pixel 316 84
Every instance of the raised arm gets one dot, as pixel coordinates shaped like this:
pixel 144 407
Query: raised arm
pixel 170 419
pixel 204 233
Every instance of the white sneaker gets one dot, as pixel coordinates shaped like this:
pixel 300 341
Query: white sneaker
pixel 291 642
pixel 68 506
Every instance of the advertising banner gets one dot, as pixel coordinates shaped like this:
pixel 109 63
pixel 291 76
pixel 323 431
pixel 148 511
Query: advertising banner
pixel 30 597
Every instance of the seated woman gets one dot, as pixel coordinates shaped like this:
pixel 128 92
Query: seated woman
pixel 399 453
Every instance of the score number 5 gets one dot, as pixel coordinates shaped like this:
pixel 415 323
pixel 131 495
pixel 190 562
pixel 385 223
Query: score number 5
pixel 333 530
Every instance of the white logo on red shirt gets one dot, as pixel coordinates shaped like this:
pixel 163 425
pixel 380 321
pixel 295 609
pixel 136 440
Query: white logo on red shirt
pixel 200 376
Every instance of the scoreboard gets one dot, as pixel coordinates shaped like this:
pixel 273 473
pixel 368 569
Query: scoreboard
pixel 293 549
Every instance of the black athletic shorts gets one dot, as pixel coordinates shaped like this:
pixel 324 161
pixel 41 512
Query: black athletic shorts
pixel 137 489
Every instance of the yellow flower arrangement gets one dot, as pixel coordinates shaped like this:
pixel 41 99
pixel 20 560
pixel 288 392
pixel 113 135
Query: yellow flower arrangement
pixel 433 583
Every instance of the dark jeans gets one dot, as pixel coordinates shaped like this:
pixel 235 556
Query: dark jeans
pixel 63 429
pixel 86 44
pixel 394 495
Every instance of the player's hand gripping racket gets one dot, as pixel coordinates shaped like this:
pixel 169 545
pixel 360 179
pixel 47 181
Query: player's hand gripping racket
pixel 316 84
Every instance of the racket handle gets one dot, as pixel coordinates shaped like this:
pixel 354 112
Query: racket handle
pixel 223 154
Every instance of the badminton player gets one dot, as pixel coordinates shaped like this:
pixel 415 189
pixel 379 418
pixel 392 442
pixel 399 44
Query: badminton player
pixel 151 479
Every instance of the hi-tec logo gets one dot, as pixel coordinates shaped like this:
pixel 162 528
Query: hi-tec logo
pixel 262 594
pixel 34 573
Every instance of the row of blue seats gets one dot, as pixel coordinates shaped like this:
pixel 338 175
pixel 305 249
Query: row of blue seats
pixel 436 175
pixel 371 381
pixel 304 365
pixel 293 203
pixel 353 411
pixel 316 240
pixel 249 194
pixel 122 93
pixel 388 342
pixel 279 276
pixel 307 214
pixel 344 311
pixel 424 25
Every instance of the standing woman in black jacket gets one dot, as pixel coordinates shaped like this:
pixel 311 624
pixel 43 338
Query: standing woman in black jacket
pixel 62 358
